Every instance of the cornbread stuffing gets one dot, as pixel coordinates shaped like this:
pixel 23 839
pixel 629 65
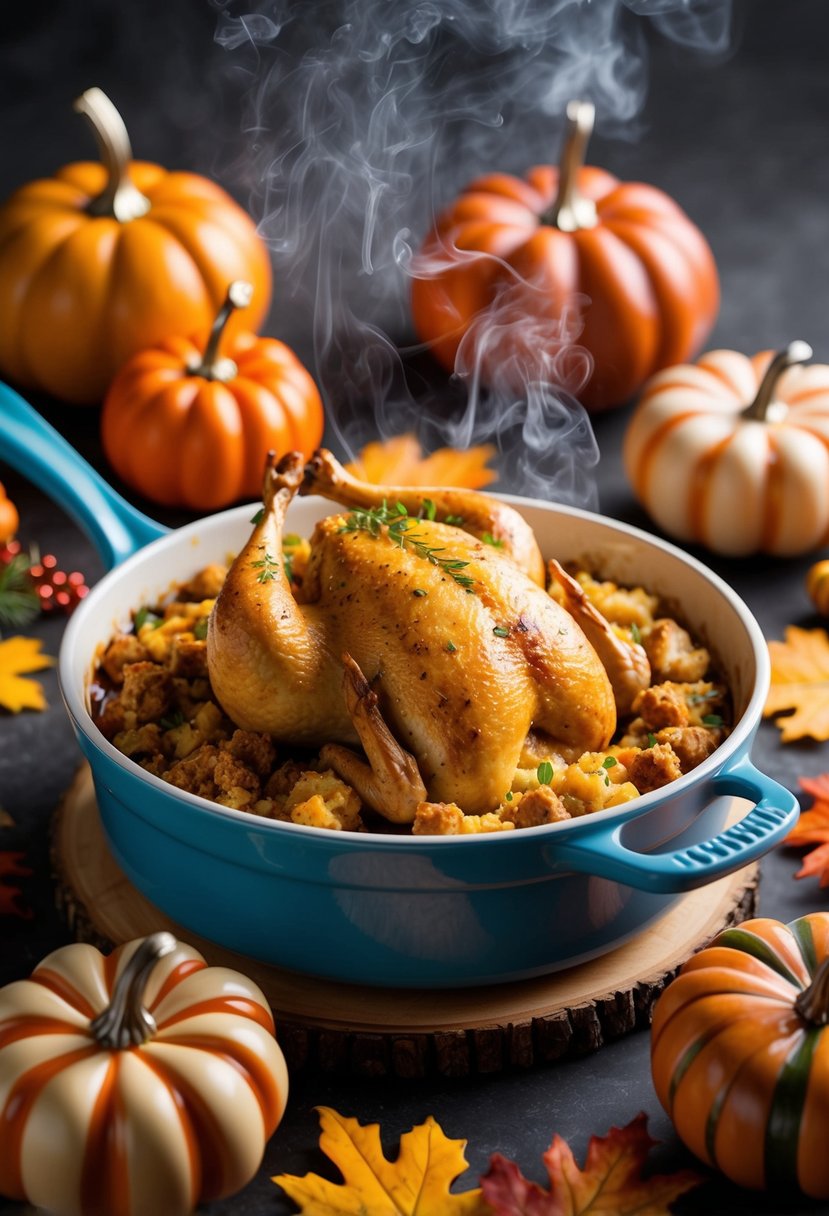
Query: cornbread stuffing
pixel 152 699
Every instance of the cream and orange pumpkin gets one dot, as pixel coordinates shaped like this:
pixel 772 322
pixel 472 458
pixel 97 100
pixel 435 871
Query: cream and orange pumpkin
pixel 103 260
pixel 740 1054
pixel 137 1084
pixel 190 421
pixel 512 258
pixel 733 453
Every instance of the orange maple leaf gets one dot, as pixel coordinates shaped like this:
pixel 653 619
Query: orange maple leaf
pixel 18 655
pixel 400 462
pixel 611 1183
pixel 11 897
pixel 800 682
pixel 813 828
pixel 416 1184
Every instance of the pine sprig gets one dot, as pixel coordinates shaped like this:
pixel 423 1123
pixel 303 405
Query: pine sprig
pixel 399 527
pixel 19 603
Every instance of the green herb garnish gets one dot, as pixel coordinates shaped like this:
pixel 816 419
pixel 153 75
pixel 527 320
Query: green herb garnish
pixel 635 633
pixel 175 719
pixel 19 602
pixel 428 509
pixel 145 616
pixel 267 568
pixel 456 521
pixel 652 740
pixel 500 631
pixel 451 647
pixel 419 592
pixel 712 720
pixel 508 796
pixel 544 772
pixel 696 697
pixel 399 532
pixel 607 763
pixel 258 517
pixel 489 539
pixel 200 629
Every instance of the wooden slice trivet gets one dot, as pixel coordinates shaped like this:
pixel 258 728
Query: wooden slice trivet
pixel 409 1033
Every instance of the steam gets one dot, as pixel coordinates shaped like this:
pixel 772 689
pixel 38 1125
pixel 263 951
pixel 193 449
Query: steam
pixel 364 118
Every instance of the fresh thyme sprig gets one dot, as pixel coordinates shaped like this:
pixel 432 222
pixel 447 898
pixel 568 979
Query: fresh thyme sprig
pixel 399 526
pixel 267 568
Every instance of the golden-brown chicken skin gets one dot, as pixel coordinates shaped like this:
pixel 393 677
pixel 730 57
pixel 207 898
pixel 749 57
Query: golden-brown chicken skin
pixel 450 671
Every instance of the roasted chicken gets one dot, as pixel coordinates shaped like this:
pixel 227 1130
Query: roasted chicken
pixel 429 644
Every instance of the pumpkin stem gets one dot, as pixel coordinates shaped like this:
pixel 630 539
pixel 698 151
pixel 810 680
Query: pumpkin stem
pixel 119 199
pixel 760 409
pixel 239 295
pixel 125 1022
pixel 813 1002
pixel 571 210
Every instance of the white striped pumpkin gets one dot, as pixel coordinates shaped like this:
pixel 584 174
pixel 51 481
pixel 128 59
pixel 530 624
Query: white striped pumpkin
pixel 733 453
pixel 137 1084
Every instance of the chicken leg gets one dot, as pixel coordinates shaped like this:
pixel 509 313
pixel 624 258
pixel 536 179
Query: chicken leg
pixel 390 783
pixel 479 515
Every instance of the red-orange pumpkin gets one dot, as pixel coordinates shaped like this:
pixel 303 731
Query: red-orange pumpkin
pixel 506 261
pixel 103 260
pixel 188 428
pixel 9 519
pixel 740 1053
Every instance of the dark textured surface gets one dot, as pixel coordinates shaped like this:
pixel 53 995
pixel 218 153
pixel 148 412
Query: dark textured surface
pixel 742 146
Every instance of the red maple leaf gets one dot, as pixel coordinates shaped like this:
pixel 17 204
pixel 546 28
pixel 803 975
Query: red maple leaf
pixel 611 1183
pixel 11 897
pixel 813 828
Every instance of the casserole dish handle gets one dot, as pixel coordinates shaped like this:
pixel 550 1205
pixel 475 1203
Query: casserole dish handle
pixel 599 849
pixel 34 448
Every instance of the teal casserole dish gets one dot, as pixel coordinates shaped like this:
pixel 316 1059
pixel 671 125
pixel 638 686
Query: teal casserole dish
pixel 391 910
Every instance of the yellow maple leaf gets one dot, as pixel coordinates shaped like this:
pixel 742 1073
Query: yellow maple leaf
pixel 400 462
pixel 800 682
pixel 18 655
pixel 416 1184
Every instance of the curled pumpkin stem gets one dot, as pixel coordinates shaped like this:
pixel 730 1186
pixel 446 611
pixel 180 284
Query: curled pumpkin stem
pixel 120 199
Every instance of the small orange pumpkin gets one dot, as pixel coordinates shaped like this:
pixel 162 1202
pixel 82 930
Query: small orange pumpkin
pixel 137 1084
pixel 733 453
pixel 9 519
pixel 519 251
pixel 192 429
pixel 817 586
pixel 103 260
pixel 740 1053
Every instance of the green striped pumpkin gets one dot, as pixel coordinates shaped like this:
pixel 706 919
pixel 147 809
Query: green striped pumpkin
pixel 740 1054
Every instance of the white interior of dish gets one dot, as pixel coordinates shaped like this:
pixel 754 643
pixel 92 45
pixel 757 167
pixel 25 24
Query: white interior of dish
pixel 712 611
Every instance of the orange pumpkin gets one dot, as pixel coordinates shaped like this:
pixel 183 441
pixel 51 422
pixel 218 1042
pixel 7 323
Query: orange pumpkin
pixel 9 519
pixel 740 1053
pixel 733 453
pixel 190 428
pixel 137 1084
pixel 106 259
pixel 507 258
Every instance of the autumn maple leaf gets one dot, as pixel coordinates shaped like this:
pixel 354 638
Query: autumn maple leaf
pixel 18 655
pixel 611 1183
pixel 11 898
pixel 800 682
pixel 416 1184
pixel 813 828
pixel 400 462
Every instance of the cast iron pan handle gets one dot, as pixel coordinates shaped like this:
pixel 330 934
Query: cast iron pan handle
pixel 34 448
pixel 599 850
